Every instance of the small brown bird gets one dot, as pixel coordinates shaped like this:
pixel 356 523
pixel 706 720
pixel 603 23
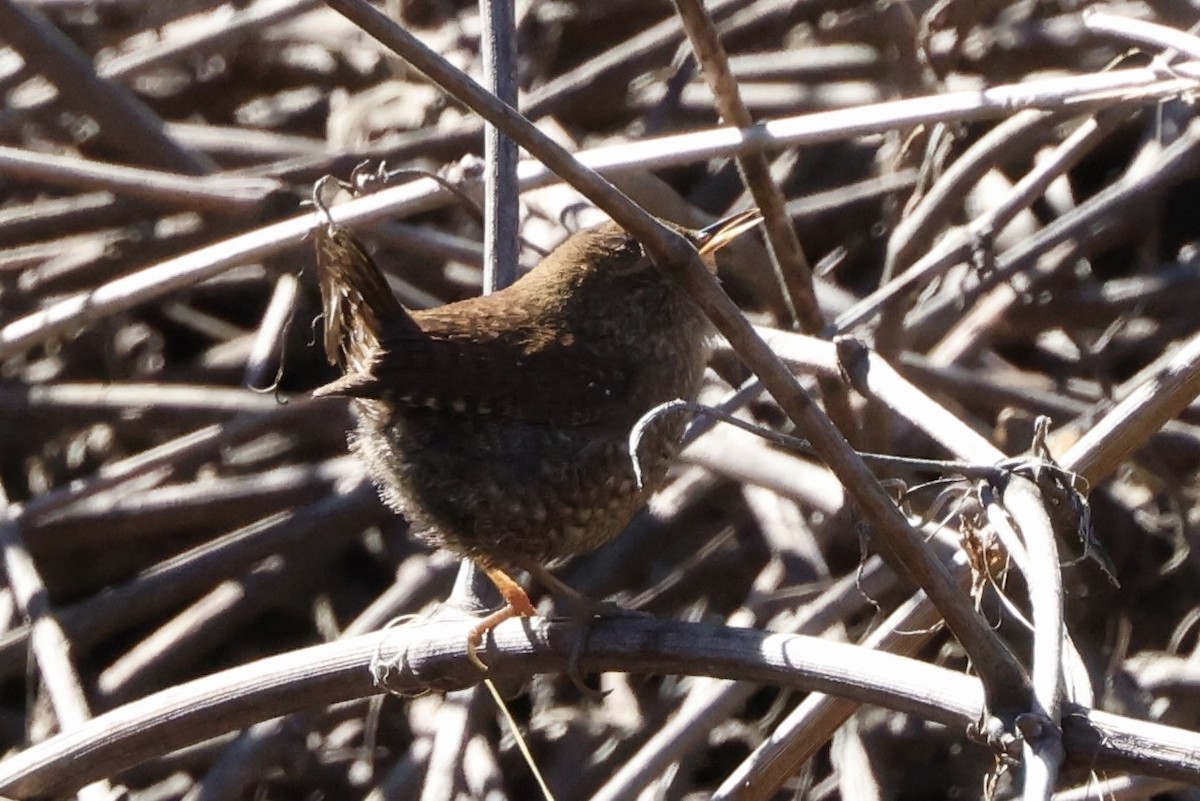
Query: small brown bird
pixel 498 426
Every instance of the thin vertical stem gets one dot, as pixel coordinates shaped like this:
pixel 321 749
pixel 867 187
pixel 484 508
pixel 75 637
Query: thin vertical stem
pixel 499 44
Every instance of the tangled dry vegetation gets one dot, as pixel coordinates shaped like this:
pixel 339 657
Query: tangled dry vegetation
pixel 177 508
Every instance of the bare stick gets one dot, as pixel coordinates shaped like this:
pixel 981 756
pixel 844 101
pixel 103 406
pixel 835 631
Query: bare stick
pixel 217 194
pixel 126 124
pixel 791 265
pixel 337 671
pixel 500 204
pixel 1120 87
pixel 792 269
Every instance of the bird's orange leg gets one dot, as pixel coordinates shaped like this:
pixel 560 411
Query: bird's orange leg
pixel 516 604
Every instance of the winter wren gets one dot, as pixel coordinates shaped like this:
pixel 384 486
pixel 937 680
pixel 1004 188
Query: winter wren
pixel 498 426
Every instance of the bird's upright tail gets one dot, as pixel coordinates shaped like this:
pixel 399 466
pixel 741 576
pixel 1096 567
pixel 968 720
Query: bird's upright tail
pixel 356 300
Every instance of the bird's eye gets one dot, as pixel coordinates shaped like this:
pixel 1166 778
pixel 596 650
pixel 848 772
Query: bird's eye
pixel 631 258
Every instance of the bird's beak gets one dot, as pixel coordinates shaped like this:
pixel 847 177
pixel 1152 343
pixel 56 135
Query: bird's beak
pixel 722 232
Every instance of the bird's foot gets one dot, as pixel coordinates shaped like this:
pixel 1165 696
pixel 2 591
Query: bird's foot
pixel 585 615
pixel 581 607
pixel 584 612
pixel 516 604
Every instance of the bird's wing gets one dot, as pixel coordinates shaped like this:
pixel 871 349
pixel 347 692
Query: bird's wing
pixel 486 356
pixel 479 358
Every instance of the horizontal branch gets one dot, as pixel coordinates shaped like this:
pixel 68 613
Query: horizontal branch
pixel 1119 87
pixel 435 658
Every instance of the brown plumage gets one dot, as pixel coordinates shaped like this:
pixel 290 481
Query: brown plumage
pixel 499 425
